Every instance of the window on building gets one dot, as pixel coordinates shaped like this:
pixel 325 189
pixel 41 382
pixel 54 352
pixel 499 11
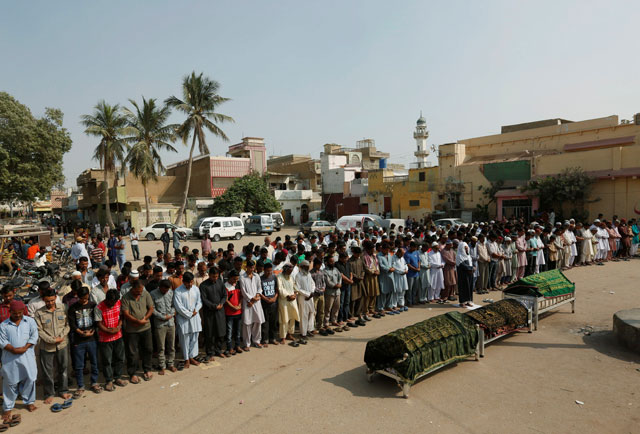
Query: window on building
pixel 414 203
pixel 422 176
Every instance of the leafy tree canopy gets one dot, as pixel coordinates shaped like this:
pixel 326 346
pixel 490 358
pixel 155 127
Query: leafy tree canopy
pixel 247 194
pixel 31 150
pixel 572 186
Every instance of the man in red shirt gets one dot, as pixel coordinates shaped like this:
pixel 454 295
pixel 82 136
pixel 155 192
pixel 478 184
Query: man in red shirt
pixel 111 344
pixel 7 295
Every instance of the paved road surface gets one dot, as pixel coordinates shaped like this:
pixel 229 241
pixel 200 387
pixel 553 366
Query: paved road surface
pixel 527 383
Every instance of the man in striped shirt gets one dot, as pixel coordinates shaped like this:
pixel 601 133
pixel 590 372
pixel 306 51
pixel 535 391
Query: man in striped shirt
pixel 97 254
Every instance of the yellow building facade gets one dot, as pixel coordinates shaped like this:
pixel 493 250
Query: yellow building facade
pixel 604 148
pixel 413 195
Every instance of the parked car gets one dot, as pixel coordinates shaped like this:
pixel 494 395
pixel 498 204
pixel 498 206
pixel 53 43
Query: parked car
pixel 315 215
pixel 278 221
pixel 155 230
pixel 360 222
pixel 225 227
pixel 319 228
pixel 448 221
pixel 259 224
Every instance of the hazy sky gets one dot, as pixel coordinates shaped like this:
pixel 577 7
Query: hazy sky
pixel 303 73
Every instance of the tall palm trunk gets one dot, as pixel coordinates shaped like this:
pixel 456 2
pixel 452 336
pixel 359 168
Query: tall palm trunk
pixel 146 202
pixel 186 188
pixel 107 205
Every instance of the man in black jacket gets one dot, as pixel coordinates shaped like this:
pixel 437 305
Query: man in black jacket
pixel 213 295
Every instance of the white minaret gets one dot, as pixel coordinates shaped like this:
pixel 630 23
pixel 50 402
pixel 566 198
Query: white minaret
pixel 421 135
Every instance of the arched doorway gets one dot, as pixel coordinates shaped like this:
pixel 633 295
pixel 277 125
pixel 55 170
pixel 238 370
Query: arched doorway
pixel 304 213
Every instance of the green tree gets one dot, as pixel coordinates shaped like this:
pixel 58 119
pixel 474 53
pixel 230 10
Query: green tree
pixel 149 135
pixel 247 194
pixel 199 102
pixel 489 195
pixel 571 187
pixel 110 124
pixel 31 151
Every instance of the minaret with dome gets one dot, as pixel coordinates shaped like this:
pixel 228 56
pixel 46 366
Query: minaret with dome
pixel 421 135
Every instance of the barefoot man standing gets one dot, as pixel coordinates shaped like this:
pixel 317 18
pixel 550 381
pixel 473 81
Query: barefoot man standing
pixel 18 335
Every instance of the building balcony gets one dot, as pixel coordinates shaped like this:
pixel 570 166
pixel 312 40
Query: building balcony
pixel 282 195
pixel 420 165
pixel 400 178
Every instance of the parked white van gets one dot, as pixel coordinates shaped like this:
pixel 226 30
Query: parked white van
pixel 226 227
pixel 201 227
pixel 243 216
pixel 386 223
pixel 359 222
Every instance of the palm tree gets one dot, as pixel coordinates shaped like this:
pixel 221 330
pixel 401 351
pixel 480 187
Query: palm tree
pixel 108 123
pixel 149 136
pixel 199 101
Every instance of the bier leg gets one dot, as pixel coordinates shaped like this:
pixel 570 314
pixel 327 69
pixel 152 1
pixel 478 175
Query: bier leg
pixel 405 390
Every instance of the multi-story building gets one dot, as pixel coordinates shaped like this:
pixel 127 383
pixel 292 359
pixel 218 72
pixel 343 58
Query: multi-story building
pixel 210 178
pixel 343 167
pixel 604 148
pixel 243 158
pixel 402 194
pixel 305 169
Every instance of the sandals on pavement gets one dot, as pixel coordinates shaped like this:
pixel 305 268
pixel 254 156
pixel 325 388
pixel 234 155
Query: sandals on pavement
pixel 96 388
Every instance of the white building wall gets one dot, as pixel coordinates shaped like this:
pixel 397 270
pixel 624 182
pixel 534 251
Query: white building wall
pixel 333 180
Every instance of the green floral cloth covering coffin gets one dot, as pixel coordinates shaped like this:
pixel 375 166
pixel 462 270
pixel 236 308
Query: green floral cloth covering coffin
pixel 500 317
pixel 429 344
pixel 548 284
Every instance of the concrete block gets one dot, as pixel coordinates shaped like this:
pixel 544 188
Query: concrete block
pixel 626 327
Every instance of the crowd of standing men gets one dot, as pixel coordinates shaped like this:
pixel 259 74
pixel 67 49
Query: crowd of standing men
pixel 285 291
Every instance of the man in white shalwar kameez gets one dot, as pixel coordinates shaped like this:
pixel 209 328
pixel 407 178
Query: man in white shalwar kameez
pixel 603 241
pixel 306 308
pixel 540 261
pixel 424 274
pixel 586 249
pixel 566 237
pixel 436 276
pixel 399 277
pixel 18 337
pixel 287 303
pixel 574 240
pixel 187 302
pixel 252 314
